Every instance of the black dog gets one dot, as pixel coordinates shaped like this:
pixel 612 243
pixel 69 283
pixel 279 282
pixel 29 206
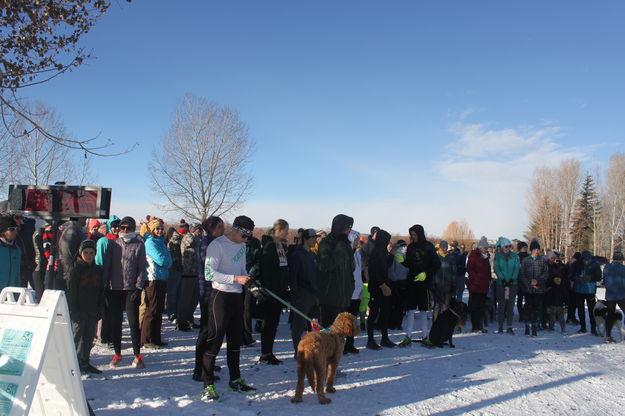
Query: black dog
pixel 444 326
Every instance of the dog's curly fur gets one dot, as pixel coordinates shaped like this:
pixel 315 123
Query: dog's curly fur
pixel 318 356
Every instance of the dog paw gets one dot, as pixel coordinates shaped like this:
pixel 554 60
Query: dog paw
pixel 324 400
pixel 330 390
pixel 296 399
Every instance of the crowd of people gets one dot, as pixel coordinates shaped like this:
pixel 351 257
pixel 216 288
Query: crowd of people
pixel 148 271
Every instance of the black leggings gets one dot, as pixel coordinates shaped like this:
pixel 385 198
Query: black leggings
pixel 271 311
pixel 120 301
pixel 379 313
pixel 225 318
pixel 590 300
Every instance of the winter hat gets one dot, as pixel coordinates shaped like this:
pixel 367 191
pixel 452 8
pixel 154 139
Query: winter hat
pixel 309 233
pixel 93 223
pixel 454 244
pixel 153 224
pixel 374 230
pixel 503 241
pixel 586 255
pixel 483 243
pixel 6 222
pixel 520 245
pixel 129 222
pixel 534 244
pixel 551 254
pixel 618 256
pixel 183 224
pixel 86 244
pixel 444 245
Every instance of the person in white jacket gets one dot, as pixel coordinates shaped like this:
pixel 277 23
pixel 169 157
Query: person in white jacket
pixel 354 239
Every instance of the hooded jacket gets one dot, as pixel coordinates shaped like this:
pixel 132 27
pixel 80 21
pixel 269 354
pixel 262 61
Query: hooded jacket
pixel 273 275
pixel 104 241
pixel 379 261
pixel 336 265
pixel 158 258
pixel 421 257
pixel 173 245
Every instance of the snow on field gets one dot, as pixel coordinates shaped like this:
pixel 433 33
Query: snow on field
pixel 486 374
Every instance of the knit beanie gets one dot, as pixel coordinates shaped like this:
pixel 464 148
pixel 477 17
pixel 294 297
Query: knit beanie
pixel 534 244
pixel 618 256
pixel 86 244
pixel 93 223
pixel 520 245
pixel 503 241
pixel 586 255
pixel 483 243
pixel 443 245
pixel 153 224
pixel 6 222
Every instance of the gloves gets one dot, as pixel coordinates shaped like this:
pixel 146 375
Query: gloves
pixel 420 277
pixel 386 291
pixel 256 290
pixel 136 295
pixel 399 258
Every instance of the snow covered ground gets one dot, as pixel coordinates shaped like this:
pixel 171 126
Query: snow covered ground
pixel 488 374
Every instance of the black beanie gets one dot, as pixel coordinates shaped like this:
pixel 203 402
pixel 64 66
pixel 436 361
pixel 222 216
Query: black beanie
pixel 6 222
pixel 534 245
pixel 129 221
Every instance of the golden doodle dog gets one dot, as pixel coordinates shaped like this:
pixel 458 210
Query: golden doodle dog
pixel 318 356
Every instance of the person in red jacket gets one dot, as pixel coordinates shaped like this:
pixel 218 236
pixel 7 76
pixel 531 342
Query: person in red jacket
pixel 478 268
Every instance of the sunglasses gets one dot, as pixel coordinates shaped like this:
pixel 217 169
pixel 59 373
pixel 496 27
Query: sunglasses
pixel 507 246
pixel 125 227
pixel 12 228
pixel 159 229
pixel 244 233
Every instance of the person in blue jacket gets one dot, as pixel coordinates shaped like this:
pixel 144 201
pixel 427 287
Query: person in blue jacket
pixel 10 253
pixel 159 261
pixel 614 282
pixel 585 276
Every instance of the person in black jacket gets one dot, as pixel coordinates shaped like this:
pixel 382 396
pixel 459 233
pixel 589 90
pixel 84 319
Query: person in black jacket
pixel 253 251
pixel 303 273
pixel 274 275
pixel 379 288
pixel 423 263
pixel 556 300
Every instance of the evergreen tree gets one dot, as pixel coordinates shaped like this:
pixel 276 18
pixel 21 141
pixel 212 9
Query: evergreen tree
pixel 587 209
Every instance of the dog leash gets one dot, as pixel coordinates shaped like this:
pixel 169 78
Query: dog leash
pixel 314 323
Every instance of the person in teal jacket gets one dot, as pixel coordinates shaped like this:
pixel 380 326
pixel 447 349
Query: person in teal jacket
pixel 10 254
pixel 112 231
pixel 507 267
pixel 159 261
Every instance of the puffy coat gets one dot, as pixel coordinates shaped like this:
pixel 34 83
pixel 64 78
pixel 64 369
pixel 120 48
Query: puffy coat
pixel 188 247
pixel 507 268
pixel 614 281
pixel 125 264
pixel 336 268
pixel 104 241
pixel 158 258
pixel 478 269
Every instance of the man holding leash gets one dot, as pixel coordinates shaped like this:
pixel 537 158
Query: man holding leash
pixel 225 269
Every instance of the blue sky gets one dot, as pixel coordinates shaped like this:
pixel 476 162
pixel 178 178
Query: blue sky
pixel 395 113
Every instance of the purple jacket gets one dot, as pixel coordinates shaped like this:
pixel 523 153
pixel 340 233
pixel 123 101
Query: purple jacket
pixel 124 264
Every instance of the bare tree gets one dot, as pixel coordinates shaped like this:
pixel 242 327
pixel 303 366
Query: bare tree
pixel 614 201
pixel 35 160
pixel 459 231
pixel 39 40
pixel 543 208
pixel 568 182
pixel 200 168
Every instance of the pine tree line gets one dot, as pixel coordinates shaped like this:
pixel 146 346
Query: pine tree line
pixel 570 211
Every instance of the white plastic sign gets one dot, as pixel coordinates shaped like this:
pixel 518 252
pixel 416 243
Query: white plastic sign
pixel 39 372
